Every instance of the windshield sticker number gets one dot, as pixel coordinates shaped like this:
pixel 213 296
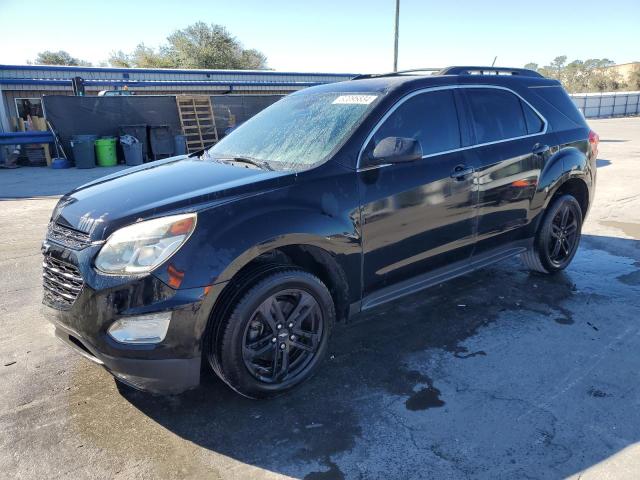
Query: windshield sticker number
pixel 354 99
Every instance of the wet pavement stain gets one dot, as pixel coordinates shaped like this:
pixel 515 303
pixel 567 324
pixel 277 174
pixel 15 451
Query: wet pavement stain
pixel 334 473
pixel 594 392
pixel 471 354
pixel 367 355
pixel 632 278
pixel 564 320
pixel 424 399
pixel 628 228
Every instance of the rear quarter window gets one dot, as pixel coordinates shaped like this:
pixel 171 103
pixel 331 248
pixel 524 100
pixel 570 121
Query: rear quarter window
pixel 562 112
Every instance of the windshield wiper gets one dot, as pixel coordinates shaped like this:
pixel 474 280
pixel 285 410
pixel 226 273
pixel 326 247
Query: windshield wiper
pixel 252 161
pixel 249 160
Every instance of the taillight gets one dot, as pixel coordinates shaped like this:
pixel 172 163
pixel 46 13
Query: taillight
pixel 594 140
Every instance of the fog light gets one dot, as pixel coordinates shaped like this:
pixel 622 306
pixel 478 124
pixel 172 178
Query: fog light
pixel 150 328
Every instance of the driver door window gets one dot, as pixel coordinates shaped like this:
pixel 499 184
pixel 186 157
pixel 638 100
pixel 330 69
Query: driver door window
pixel 431 118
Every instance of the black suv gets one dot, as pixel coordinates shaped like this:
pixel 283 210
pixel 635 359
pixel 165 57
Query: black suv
pixel 334 200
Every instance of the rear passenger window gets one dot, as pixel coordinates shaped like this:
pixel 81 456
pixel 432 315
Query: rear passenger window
pixel 431 118
pixel 534 122
pixel 497 114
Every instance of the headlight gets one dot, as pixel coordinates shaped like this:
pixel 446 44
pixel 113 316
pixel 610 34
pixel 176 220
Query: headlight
pixel 141 247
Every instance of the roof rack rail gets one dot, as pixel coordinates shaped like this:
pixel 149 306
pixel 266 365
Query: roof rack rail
pixel 393 74
pixel 459 70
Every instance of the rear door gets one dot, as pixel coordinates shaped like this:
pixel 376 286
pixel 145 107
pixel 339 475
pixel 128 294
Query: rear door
pixel 511 148
pixel 416 216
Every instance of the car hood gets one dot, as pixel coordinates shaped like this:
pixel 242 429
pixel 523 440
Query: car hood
pixel 167 186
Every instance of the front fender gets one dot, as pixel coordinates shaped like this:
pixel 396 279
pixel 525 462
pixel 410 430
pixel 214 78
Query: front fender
pixel 229 237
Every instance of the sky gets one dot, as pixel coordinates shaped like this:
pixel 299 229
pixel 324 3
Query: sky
pixel 354 36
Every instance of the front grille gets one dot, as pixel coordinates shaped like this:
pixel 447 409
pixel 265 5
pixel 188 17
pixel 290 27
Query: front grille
pixel 62 282
pixel 68 237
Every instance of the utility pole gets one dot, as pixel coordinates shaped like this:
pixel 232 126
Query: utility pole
pixel 395 34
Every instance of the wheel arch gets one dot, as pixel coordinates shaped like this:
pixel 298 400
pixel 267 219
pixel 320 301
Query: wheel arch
pixel 308 252
pixel 577 187
pixel 312 257
pixel 566 172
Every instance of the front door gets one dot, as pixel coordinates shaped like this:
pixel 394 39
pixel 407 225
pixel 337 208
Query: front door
pixel 417 216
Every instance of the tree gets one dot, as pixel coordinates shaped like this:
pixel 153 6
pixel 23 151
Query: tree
pixel 142 57
pixel 58 58
pixel 196 46
pixel 634 79
pixel 120 59
pixel 578 76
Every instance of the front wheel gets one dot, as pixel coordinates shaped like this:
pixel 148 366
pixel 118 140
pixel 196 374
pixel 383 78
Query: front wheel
pixel 557 238
pixel 276 334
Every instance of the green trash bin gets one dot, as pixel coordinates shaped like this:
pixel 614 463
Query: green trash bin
pixel 106 152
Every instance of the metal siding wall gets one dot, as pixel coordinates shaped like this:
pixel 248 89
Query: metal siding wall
pixel 607 104
pixel 159 74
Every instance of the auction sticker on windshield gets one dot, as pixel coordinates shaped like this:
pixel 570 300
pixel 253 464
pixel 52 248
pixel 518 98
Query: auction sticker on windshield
pixel 355 99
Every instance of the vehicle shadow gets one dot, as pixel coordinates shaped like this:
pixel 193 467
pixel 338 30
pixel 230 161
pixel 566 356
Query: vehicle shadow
pixel 306 428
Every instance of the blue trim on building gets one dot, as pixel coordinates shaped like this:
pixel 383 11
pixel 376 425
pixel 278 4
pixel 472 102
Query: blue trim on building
pixel 25 138
pixel 156 83
pixel 61 68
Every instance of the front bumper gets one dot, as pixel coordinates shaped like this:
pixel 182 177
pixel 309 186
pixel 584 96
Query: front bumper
pixel 161 376
pixel 169 367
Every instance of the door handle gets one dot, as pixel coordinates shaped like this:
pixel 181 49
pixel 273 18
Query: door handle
pixel 540 149
pixel 461 171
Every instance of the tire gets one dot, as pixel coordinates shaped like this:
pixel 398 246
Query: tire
pixel 276 334
pixel 557 238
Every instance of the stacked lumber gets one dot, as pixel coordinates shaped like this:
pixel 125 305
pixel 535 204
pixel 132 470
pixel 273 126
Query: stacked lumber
pixel 37 154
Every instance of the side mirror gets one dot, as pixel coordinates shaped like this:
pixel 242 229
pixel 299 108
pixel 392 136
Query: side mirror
pixel 396 150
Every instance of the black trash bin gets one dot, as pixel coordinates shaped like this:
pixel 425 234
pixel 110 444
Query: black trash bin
pixel 161 140
pixel 138 131
pixel 132 150
pixel 82 147
pixel 180 142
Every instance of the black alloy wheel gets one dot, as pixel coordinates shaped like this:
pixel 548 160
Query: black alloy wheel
pixel 282 336
pixel 275 335
pixel 564 235
pixel 557 238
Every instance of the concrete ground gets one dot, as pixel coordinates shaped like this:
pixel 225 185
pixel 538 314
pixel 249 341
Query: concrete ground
pixel 498 374
pixel 35 182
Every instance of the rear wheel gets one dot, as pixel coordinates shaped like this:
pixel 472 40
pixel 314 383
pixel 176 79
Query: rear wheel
pixel 557 238
pixel 276 334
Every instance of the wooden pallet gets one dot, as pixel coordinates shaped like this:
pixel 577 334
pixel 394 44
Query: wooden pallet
pixel 197 120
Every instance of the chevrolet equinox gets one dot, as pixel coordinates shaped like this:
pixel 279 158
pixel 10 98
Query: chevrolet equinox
pixel 332 201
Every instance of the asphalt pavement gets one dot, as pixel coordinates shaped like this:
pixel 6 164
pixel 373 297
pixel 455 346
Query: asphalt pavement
pixel 498 374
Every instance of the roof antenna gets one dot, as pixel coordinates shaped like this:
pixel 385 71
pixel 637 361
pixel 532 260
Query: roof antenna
pixel 494 60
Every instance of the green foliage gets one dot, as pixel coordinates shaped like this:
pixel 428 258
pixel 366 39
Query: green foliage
pixel 634 81
pixel 142 57
pixel 196 46
pixel 58 58
pixel 592 75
